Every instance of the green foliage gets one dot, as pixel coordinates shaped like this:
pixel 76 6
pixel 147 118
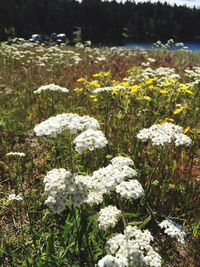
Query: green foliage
pixel 32 235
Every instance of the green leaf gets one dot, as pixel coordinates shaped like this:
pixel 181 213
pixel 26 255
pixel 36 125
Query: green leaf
pixel 141 224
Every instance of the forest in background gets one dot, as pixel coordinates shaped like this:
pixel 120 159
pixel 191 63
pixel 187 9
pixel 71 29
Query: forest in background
pixel 98 21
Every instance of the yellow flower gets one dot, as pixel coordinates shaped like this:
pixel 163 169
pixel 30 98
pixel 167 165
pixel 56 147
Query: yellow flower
pixel 125 84
pixel 134 89
pixel 80 80
pixel 187 129
pixel 169 120
pixel 149 81
pixel 101 74
pixel 78 90
pixel 164 91
pixel 94 83
pixel 147 98
pixel 93 98
pixel 151 87
pixel 178 110
pixel 107 73
pixel 167 84
pixel 189 92
pixel 115 91
pixel 166 120
pixel 97 74
pixel 184 87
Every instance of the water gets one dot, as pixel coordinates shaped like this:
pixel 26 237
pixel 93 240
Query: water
pixel 191 46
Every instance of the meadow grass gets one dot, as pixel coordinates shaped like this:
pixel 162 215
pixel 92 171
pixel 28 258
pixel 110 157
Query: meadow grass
pixel 31 235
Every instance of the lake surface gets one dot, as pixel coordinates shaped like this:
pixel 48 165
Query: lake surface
pixel 191 46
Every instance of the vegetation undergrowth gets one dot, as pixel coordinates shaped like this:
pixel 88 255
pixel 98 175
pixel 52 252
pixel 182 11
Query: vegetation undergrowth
pixel 116 148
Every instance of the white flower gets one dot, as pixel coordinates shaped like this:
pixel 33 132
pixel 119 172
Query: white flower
pixel 182 139
pixel 106 179
pixel 58 186
pixel 130 189
pixel 80 190
pixel 162 134
pixel 16 154
pixel 174 230
pixel 152 60
pixel 108 217
pixel 121 261
pixel 51 87
pixel 103 89
pixel 94 198
pixel 107 261
pixel 91 140
pixel 18 197
pixel 152 259
pixel 132 249
pixel 122 161
pixel 55 125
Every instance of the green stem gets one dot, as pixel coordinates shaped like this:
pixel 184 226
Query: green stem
pixel 71 154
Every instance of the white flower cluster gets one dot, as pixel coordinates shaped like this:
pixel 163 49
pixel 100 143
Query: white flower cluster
pixel 106 179
pixel 94 198
pixel 67 121
pixel 182 140
pixel 131 249
pixel 52 88
pixel 174 230
pixel 130 189
pixel 194 74
pixel 58 186
pixel 15 154
pixel 108 217
pixel 161 134
pixel 80 190
pixel 110 261
pixel 103 89
pixel 90 139
pixel 122 161
pixel 18 197
pixel 62 188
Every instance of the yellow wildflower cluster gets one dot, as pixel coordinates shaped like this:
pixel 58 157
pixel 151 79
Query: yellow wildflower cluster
pixel 161 89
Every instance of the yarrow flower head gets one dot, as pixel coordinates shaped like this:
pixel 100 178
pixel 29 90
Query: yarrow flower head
pixel 15 154
pixel 108 217
pixel 51 88
pixel 130 189
pixel 80 190
pixel 131 249
pixel 55 125
pixel 15 197
pixel 84 193
pixel 107 261
pixel 63 188
pixel 91 140
pixel 122 161
pixel 106 179
pixel 162 134
pixel 103 89
pixel 58 186
pixel 174 230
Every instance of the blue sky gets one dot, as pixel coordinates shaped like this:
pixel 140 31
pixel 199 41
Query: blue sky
pixel 190 3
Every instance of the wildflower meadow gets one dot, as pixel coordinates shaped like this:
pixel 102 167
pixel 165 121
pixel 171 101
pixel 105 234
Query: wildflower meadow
pixel 100 156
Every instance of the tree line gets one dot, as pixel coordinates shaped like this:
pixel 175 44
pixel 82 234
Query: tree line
pixel 101 22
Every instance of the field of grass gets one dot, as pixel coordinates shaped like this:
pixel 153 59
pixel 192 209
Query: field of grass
pixel 62 220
